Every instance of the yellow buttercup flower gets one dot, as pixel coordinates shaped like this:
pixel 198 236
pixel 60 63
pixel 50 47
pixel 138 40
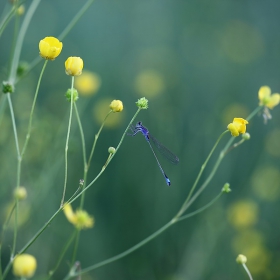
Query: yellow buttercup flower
pixel 50 48
pixel 88 83
pixel 237 126
pixel 74 66
pixel 267 99
pixel 24 266
pixel 116 106
pixel 80 219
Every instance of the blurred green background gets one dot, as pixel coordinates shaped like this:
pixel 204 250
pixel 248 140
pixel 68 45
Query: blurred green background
pixel 200 64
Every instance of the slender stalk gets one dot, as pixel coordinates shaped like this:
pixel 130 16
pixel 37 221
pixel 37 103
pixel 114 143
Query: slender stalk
pixel 76 244
pixel 96 138
pixel 64 250
pixel 32 110
pixel 2 106
pixel 6 19
pixel 145 241
pixel 258 109
pixel 33 6
pixel 182 210
pixel 66 144
pixel 247 270
pixel 123 254
pixel 75 19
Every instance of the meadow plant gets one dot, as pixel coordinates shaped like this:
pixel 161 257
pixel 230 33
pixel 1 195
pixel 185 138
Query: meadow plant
pixel 24 265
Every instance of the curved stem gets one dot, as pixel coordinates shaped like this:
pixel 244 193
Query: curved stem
pixel 33 6
pixel 247 270
pixel 182 210
pixel 66 144
pixel 96 138
pixel 258 109
pixel 32 110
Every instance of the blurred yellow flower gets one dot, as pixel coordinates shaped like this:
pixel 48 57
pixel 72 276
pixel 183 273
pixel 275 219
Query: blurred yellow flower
pixel 100 110
pixel 88 83
pixel 266 182
pixel 20 193
pixel 116 106
pixel 243 214
pixel 237 126
pixel 74 66
pixel 80 219
pixel 272 143
pixel 20 10
pixel 149 83
pixel 267 99
pixel 50 48
pixel 24 266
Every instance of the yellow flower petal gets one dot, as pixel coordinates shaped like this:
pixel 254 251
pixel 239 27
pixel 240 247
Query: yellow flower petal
pixel 264 92
pixel 24 265
pixel 74 66
pixel 237 126
pixel 273 100
pixel 233 130
pixel 116 106
pixel 70 215
pixel 50 48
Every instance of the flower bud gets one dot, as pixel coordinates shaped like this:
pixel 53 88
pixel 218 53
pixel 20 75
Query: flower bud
pixel 7 87
pixel 50 48
pixel 111 150
pixel 74 66
pixel 142 103
pixel 22 68
pixel 20 193
pixel 237 126
pixel 75 95
pixel 116 106
pixel 246 136
pixel 24 265
pixel 226 188
pixel 241 259
pixel 20 10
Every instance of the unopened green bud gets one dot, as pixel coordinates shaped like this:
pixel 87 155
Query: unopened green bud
pixel 111 150
pixel 20 193
pixel 75 94
pixel 241 259
pixel 7 87
pixel 142 103
pixel 246 136
pixel 226 188
pixel 22 68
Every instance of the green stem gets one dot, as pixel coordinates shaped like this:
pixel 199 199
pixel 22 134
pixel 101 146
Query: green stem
pixel 258 109
pixel 66 144
pixel 75 247
pixel 75 19
pixel 6 19
pixel 107 162
pixel 96 138
pixel 65 248
pixel 42 229
pixel 182 210
pixel 145 241
pixel 33 6
pixel 247 270
pixel 32 110
pixel 200 209
pixel 123 254
pixel 30 242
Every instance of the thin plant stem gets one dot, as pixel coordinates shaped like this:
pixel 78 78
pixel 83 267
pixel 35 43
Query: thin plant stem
pixel 258 109
pixel 42 229
pixel 200 209
pixel 247 270
pixel 75 19
pixel 63 34
pixel 76 244
pixel 2 106
pixel 33 6
pixel 32 109
pixel 67 141
pixel 96 138
pixel 182 210
pixel 64 250
pixel 143 242
pixel 6 19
